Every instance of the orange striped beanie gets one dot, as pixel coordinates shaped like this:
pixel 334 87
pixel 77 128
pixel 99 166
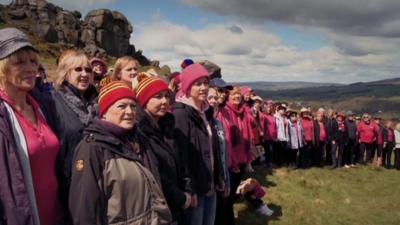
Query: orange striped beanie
pixel 148 87
pixel 113 92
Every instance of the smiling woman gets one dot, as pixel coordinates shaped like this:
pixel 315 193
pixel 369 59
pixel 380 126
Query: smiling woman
pixel 28 147
pixel 75 102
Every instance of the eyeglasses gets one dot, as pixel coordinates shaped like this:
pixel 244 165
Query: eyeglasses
pixel 80 69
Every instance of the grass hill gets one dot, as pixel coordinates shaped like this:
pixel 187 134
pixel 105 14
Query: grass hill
pixel 357 196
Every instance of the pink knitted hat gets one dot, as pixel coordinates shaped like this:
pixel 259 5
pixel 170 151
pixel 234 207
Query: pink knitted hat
pixel 190 74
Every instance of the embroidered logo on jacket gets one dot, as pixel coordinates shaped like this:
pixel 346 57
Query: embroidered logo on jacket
pixel 79 165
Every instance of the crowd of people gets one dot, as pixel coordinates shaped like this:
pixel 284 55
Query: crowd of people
pixel 92 147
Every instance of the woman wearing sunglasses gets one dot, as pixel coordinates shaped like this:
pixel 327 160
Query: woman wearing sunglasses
pixel 75 99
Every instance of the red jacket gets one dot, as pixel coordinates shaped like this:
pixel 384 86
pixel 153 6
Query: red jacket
pixel 367 132
pixel 308 127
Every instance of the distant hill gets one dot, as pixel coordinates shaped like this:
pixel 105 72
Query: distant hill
pixel 275 86
pixel 383 95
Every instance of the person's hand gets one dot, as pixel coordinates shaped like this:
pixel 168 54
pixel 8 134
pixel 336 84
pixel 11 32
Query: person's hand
pixel 188 200
pixel 384 144
pixel 249 168
pixel 194 202
pixel 235 169
pixel 333 142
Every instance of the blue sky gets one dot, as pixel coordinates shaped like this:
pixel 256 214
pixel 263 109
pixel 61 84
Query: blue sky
pixel 292 40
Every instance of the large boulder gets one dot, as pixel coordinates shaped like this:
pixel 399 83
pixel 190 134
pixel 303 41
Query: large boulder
pixel 109 30
pixel 68 27
pixel 214 71
pixel 45 32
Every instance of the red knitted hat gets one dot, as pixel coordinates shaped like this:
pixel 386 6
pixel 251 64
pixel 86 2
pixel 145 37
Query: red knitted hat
pixel 148 87
pixel 113 92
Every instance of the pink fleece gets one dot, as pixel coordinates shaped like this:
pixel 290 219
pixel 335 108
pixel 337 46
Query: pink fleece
pixel 230 117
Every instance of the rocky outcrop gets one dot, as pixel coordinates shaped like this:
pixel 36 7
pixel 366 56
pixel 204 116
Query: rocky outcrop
pixel 109 30
pixel 102 32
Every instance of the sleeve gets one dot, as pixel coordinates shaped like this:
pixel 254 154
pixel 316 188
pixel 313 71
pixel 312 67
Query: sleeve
pixel 182 141
pixel 172 193
pixel 86 199
pixel 385 135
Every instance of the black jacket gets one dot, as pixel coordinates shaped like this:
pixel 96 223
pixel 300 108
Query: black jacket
pixel 340 136
pixel 174 181
pixel 193 143
pixel 331 127
pixel 317 130
pixel 385 135
pixel 69 130
pixel 351 129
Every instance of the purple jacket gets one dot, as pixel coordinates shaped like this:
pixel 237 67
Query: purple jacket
pixel 14 201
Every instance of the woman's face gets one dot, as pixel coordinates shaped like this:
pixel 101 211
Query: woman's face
pixel 235 98
pixel 199 90
pixel 246 96
pixel 80 77
pixel 128 72
pixel 212 97
pixel 320 117
pixel 158 104
pixel 122 113
pixel 222 94
pixel 22 70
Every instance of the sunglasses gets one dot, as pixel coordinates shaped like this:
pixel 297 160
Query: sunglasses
pixel 80 69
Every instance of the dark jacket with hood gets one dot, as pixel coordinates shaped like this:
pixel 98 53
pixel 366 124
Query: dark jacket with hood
pixel 174 181
pixel 193 143
pixel 74 114
pixel 110 184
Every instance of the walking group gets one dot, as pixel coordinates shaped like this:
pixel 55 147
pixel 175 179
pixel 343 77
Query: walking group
pixel 129 147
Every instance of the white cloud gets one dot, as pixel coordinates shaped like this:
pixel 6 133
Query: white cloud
pixel 251 53
pixel 79 4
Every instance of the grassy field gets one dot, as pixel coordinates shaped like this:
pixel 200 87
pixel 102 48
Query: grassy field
pixel 360 196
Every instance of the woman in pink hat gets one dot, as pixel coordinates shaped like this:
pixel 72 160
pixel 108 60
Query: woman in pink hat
pixel 194 138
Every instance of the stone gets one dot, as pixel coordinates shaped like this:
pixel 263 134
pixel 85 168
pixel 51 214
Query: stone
pixel 214 71
pixel 45 32
pixel 100 18
pixel 17 14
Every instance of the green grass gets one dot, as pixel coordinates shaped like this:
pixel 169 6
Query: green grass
pixel 364 196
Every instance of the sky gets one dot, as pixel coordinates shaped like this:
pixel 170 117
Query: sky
pixel 341 41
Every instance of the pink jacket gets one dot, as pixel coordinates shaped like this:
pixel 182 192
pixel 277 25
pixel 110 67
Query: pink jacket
pixel 239 138
pixel 270 133
pixel 367 132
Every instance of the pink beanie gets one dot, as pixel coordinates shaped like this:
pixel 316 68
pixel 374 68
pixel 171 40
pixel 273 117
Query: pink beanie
pixel 245 89
pixel 190 74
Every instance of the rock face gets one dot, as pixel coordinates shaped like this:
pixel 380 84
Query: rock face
pixel 102 32
pixel 109 30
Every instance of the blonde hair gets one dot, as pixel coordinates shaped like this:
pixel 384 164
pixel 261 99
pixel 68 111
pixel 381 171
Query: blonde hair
pixel 120 64
pixel 235 90
pixel 68 61
pixel 19 55
pixel 398 126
